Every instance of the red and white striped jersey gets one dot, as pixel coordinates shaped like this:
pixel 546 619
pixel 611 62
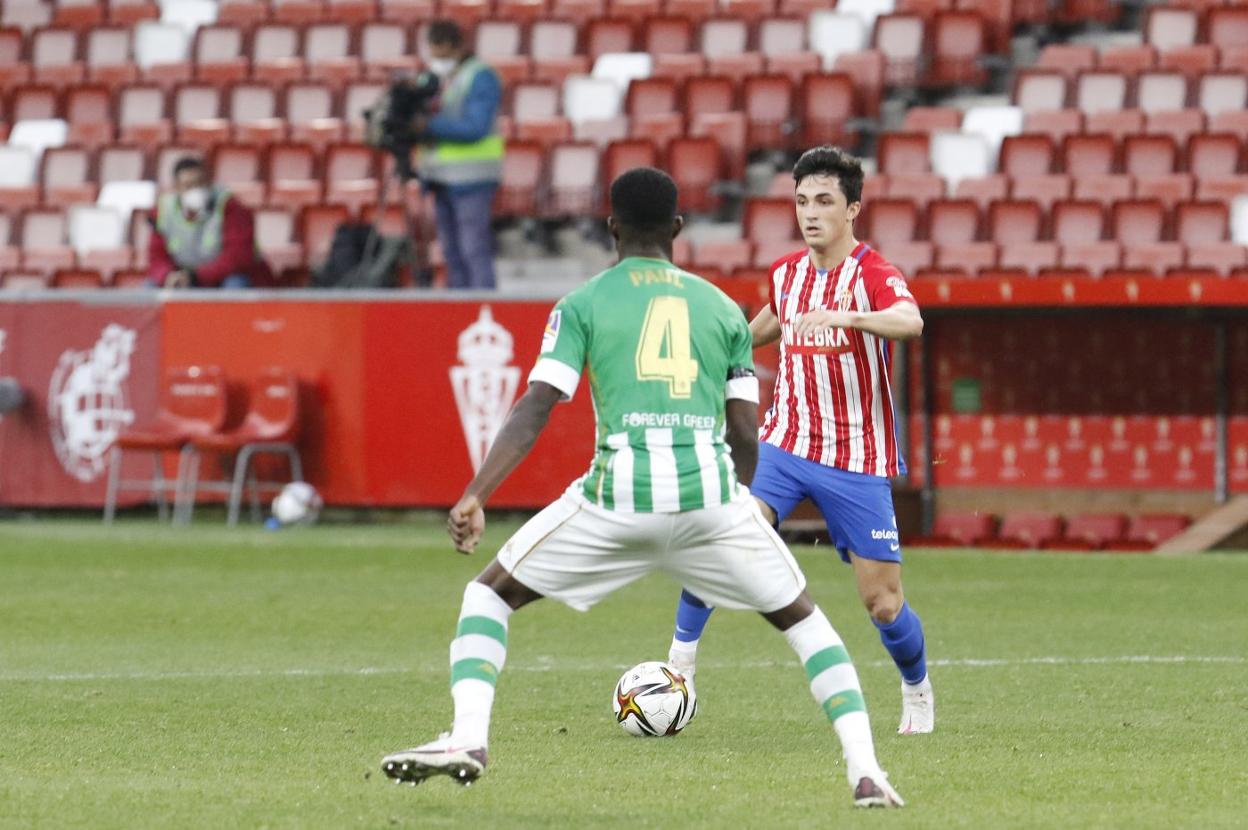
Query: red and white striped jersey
pixel 833 401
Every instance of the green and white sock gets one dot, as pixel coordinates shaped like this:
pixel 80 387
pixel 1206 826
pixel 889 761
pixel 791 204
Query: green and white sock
pixel 834 684
pixel 478 653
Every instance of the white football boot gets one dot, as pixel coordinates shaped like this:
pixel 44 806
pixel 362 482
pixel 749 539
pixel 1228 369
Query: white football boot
pixel 463 764
pixel 918 708
pixel 875 791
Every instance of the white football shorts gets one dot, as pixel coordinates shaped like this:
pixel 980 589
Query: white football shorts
pixel 728 556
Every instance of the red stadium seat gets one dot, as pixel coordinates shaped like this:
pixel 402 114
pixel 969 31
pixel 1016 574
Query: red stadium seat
pixel 351 176
pixel 384 49
pixel 1067 58
pixel 891 220
pixel 252 110
pixel 130 12
pixel 524 170
pixel 904 153
pixel 1192 61
pixel 295 11
pixel 218 54
pixel 77 279
pixel 1117 124
pixel 1156 258
pixel 1045 190
pixel 931 119
pixel 920 188
pixel 108 58
pixel 275 236
pixel 724 256
pixel 328 53
pixel 1040 90
pixel 1088 155
pixel 578 10
pixel 709 94
pixel 1100 91
pixel 728 129
pixel 634 10
pixel 1220 257
pixel 960 528
pixel 1180 125
pixel 605 35
pixel 54 57
pixel 14 70
pixel 1169 188
pixel 467 13
pixel 667 35
pixel 695 164
pixel 1027 529
pixel 1201 223
pixel 1027 155
pixel 1228 26
pixel 406 11
pixel 984 190
pixel 317 225
pixel 1015 222
pixel 752 11
pixel 1214 154
pixel 651 96
pixel 1219 92
pixel 275 53
pixel 1129 60
pixel 1094 258
pixel 900 39
pixel 781 36
pixel 350 11
pixel 1078 222
pixel 737 67
pixel 1056 124
pixel 1169 27
pixel 1149 155
pixel 88 110
pixel 867 68
pixel 679 66
pixel 1148 531
pixel 574 176
pixel 45 248
pixel 120 163
pixel 1161 91
pixel 1136 222
pixel 970 258
pixel 1091 531
pixel 197 115
pixel 1029 257
pixel 825 106
pixel 768 104
pixel 769 218
pixel 309 109
pixel 953 222
pixel 723 36
pixel 959 40
pixel 66 177
pixel 1081 12
pixel 1105 188
pixel 911 258
pixel 78 14
pixel 294 178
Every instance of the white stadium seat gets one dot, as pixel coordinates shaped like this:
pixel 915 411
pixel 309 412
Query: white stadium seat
pixel 834 33
pixel 957 156
pixel 93 228
pixel 38 134
pixel 157 43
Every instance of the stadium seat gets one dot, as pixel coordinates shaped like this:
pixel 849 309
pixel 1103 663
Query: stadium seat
pixel 406 11
pixel 467 13
pixel 1170 27
pixel 1180 125
pixel 271 426
pixel 1031 258
pixel 120 163
pixel 1088 154
pixel 39 134
pixel 1056 124
pixel 88 112
pixel 960 528
pixel 350 11
pixel 44 239
pixel 1100 91
pixel 574 180
pixel 54 57
pixel 239 168
pixel 293 180
pixel 252 109
pixel 107 56
pixel 162 51
pixel 957 156
pixel 767 101
pixel 1015 222
pixel 34 102
pixel 1148 531
pixel 904 153
pixel 1193 61
pixel 1105 188
pixel 384 50
pixel 993 123
pixel 889 221
pixel 14 70
pixel 920 119
pixel 1222 258
pixel 1078 222
pixel 275 237
pixel 66 177
pixel 128 197
pixel 1093 258
pixel 722 256
pixel 634 11
pixel 1033 154
pixel 831 34
pixel 1129 60
pixel 866 68
pixel 275 53
pixel 959 41
pixel 197 115
pixel 1149 155
pixel 1210 155
pixel 622 68
pixel 309 109
pixel 953 222
pixel 19 184
pixel 142 115
pixel 1168 188
pixel 98 237
pixel 900 38
pixel 26 16
pixel 696 164
pixel 1161 91
pixel 1228 26
pixel 524 168
pixel 984 190
pixel 1039 90
pixel 578 10
pixel 1219 92
pixel 327 52
pixel 1045 190
pixel 667 35
pixel 1201 223
pixel 920 188
pixel 1091 531
pixel 1117 124
pixel 651 96
pixel 1027 529
pixel 77 279
pixel 588 99
pixel 970 258
pixel 1157 258
pixel 1137 222
pixel 1067 58
pixel 218 54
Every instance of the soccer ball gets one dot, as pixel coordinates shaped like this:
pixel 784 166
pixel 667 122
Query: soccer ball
pixel 298 503
pixel 653 699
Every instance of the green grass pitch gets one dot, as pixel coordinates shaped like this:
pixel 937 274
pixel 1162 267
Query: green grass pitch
pixel 217 679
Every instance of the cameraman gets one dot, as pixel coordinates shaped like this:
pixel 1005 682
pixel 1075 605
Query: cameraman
pixel 463 163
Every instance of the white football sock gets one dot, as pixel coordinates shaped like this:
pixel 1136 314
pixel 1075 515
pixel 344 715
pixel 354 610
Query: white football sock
pixel 478 653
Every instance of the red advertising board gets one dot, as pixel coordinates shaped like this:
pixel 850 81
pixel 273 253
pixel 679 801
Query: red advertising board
pixel 87 370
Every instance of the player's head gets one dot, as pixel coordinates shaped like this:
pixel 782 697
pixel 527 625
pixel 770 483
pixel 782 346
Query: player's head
pixel 643 211
pixel 828 195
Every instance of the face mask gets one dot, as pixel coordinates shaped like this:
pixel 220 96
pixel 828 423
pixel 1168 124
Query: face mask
pixel 442 66
pixel 195 199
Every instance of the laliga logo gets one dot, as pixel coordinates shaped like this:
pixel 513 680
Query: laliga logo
pixel 484 383
pixel 87 404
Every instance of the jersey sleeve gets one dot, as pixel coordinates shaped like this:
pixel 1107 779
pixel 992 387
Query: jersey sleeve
pixel 563 350
pixel 741 381
pixel 886 287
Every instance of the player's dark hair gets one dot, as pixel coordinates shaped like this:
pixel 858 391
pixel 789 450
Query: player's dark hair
pixel 446 33
pixel 834 162
pixel 643 201
pixel 188 163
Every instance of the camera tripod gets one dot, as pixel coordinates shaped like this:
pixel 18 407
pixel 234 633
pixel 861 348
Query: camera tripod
pixel 415 252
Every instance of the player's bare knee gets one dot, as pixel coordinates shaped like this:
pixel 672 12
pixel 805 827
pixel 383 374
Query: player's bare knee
pixel 508 588
pixel 883 605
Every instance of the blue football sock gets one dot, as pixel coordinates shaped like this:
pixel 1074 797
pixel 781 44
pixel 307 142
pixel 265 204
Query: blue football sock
pixel 903 638
pixel 691 616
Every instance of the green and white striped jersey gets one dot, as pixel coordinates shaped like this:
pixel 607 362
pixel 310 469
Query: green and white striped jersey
pixel 663 349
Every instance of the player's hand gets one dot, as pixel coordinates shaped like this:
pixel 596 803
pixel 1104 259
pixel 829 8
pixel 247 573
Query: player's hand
pixel 822 318
pixel 466 523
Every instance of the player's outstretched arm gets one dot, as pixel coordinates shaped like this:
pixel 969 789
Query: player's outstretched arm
pixel 741 435
pixel 900 321
pixel 765 327
pixel 513 442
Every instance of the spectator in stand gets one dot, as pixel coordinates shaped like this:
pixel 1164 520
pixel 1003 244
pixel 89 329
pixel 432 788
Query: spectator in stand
pixel 204 237
pixel 462 163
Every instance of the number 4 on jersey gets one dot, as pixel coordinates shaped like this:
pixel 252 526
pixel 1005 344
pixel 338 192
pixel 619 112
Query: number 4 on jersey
pixel 664 351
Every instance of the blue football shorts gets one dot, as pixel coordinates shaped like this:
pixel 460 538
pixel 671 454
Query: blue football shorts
pixel 857 508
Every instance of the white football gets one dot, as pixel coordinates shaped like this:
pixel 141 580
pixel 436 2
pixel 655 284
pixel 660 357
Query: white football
pixel 298 503
pixel 654 699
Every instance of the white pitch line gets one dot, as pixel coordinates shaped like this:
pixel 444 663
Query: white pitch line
pixel 546 664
